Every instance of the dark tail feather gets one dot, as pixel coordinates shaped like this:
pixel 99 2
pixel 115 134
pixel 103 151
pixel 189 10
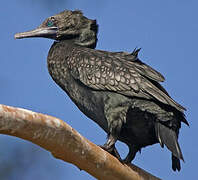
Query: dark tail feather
pixel 175 163
pixel 167 136
pixel 157 128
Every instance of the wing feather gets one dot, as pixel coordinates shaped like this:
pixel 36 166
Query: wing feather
pixel 103 70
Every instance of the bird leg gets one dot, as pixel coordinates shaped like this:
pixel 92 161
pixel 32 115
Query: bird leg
pixel 131 155
pixel 109 146
pixel 115 111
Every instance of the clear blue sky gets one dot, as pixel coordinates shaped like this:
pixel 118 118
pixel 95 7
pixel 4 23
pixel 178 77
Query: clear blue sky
pixel 167 32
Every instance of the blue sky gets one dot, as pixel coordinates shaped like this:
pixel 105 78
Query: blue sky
pixel 165 30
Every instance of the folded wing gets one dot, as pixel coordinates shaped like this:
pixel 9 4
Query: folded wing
pixel 120 72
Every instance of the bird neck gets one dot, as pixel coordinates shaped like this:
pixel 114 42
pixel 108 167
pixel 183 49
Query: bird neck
pixel 58 57
pixel 87 38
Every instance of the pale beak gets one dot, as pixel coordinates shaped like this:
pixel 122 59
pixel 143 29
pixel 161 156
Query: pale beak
pixel 47 32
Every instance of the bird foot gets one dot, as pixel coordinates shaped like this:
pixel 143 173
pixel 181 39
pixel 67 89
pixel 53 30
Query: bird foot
pixel 127 160
pixel 112 150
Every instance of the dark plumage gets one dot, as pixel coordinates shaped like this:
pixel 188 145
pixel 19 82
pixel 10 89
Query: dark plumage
pixel 115 89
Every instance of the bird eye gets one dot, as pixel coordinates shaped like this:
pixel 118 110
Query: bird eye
pixel 50 23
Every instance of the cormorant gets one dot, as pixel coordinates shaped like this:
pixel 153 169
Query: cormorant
pixel 117 90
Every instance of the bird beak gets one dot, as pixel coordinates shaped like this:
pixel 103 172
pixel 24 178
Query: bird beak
pixel 47 32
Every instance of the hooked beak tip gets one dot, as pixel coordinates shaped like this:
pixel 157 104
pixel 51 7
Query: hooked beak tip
pixel 17 36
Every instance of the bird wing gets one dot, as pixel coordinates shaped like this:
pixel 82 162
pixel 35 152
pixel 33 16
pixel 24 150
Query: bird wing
pixel 119 72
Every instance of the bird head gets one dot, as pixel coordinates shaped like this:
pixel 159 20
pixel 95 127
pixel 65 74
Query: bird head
pixel 67 25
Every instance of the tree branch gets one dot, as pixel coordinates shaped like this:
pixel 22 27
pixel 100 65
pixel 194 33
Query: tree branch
pixel 66 144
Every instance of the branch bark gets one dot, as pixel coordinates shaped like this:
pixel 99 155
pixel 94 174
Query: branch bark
pixel 66 144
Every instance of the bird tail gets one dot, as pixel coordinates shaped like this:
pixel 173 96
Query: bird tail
pixel 168 136
pixel 175 163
